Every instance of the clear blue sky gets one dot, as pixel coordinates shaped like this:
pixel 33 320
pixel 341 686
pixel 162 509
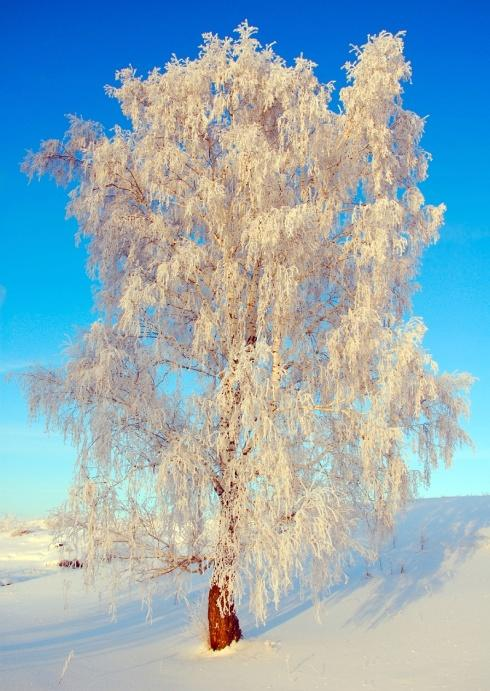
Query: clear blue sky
pixel 56 59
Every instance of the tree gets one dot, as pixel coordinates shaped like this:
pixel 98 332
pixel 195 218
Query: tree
pixel 254 384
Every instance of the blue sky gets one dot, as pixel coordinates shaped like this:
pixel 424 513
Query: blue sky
pixel 56 60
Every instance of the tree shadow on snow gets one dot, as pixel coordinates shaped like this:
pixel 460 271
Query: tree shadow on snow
pixel 94 631
pixel 430 541
pixel 429 544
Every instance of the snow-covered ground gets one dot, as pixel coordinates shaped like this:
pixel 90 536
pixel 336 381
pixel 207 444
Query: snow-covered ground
pixel 419 618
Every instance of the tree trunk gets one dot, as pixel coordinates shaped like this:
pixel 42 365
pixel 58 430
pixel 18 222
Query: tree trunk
pixel 224 628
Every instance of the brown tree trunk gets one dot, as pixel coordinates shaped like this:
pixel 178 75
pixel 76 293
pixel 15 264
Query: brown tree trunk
pixel 224 628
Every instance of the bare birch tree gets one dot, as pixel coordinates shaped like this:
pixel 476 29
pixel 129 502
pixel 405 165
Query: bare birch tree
pixel 254 383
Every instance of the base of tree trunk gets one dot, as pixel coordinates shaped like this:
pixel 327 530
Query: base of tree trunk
pixel 223 629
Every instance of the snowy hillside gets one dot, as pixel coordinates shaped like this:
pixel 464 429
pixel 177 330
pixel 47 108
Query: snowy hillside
pixel 416 619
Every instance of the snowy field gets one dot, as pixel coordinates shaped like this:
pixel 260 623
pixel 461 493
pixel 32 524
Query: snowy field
pixel 416 619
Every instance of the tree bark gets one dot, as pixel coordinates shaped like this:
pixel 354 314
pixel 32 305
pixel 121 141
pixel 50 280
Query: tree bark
pixel 224 627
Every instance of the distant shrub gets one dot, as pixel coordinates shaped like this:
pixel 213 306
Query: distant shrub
pixel 70 564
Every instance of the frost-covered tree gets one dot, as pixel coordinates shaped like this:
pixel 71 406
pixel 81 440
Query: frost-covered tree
pixel 254 384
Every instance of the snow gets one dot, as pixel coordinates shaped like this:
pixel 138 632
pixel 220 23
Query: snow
pixel 415 619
